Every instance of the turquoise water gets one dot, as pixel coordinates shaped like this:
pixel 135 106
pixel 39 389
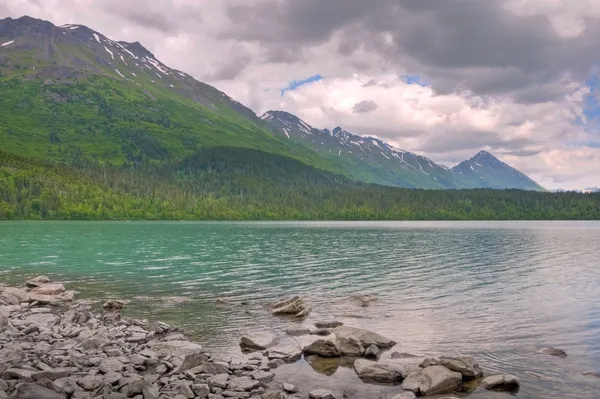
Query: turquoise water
pixel 497 290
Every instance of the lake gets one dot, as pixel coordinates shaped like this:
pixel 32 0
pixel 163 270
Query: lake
pixel 499 291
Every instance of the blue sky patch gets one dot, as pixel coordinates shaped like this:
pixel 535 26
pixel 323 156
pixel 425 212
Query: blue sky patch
pixel 592 103
pixel 294 84
pixel 415 80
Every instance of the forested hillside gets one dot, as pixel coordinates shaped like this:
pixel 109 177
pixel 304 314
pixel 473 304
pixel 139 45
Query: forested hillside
pixel 239 184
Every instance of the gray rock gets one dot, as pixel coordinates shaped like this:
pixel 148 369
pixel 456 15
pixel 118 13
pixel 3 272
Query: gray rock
pixel 37 281
pixel 290 388
pixel 215 368
pixel 372 352
pixel 503 382
pixel 297 331
pixel 274 363
pixel 321 394
pixel 322 348
pixel 3 395
pixel 176 348
pixel 466 365
pixel 591 374
pixel 551 351
pixel 18 374
pixel 385 371
pixel 185 390
pixel 93 342
pixel 49 289
pixel 53 374
pixel 257 342
pixel 262 376
pixel 111 364
pixel 35 391
pixel 286 353
pixel 364 337
pixel 135 387
pixel 328 324
pixel 273 395
pixel 113 305
pixel 235 394
pixel 243 384
pixel 218 381
pixel 201 390
pixel 407 395
pixel 90 382
pixel 192 360
pixel 112 377
pixel 294 306
pixel 434 380
pixel 349 347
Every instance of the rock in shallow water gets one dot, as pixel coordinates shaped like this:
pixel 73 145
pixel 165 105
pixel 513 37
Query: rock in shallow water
pixel 503 382
pixel 294 306
pixel 321 394
pixel 551 351
pixel 365 337
pixel 434 380
pixel 386 371
pixel 322 348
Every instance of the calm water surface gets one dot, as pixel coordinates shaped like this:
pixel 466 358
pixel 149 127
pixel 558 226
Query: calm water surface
pixel 497 290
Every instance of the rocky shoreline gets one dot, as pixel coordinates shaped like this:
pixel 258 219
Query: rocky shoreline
pixel 53 346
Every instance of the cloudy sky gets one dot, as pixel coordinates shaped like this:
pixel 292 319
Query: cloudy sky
pixel 520 78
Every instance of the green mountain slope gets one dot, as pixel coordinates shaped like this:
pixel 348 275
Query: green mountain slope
pixel 72 95
pixel 240 184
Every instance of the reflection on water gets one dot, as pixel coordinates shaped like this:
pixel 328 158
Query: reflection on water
pixel 498 291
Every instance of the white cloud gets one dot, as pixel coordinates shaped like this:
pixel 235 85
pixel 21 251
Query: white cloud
pixel 535 124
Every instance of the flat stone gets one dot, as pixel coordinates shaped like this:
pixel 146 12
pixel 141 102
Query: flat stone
pixel 257 342
pixel 434 380
pixel 176 348
pixel 185 390
pixel 35 391
pixel 372 352
pixel 408 395
pixel 328 324
pixel 262 376
pixel 53 374
pixel 235 394
pixel 37 281
pixel 290 388
pixel 349 347
pixel 90 382
pixel 322 348
pixel 218 381
pixel 466 365
pixel 192 360
pixel 297 331
pixel 201 390
pixel 503 382
pixel 321 394
pixel 111 364
pixel 286 353
pixel 49 289
pixel 385 371
pixel 135 387
pixel 293 306
pixel 112 377
pixel 150 392
pixel 243 384
pixel 18 374
pixel 364 337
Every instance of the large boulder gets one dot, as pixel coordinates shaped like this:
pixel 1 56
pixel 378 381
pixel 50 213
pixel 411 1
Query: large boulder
pixel 49 289
pixel 349 347
pixel 293 306
pixel 35 391
pixel 257 342
pixel 37 281
pixel 502 382
pixel 385 371
pixel 176 348
pixel 434 380
pixel 13 296
pixel 322 348
pixel 364 337
pixel 465 365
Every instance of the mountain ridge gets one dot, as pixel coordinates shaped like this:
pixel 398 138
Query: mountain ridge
pixel 404 168
pixel 91 97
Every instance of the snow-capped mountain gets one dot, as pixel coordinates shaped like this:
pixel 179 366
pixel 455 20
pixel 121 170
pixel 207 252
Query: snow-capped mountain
pixel 487 171
pixel 378 162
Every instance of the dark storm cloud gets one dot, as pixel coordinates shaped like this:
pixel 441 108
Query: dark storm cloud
pixel 149 20
pixel 480 46
pixel 364 106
